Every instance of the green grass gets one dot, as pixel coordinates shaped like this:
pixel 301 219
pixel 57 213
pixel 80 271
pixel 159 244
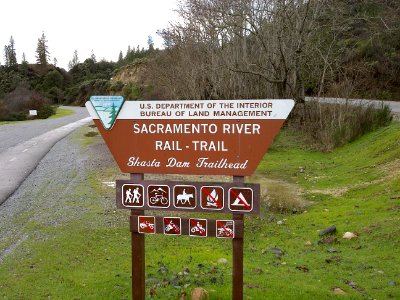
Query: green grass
pixel 355 188
pixel 60 112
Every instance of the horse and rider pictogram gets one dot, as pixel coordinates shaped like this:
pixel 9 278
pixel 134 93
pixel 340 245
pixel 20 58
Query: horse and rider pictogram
pixel 185 196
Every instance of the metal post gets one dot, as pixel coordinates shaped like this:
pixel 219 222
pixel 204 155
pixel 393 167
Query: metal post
pixel 138 255
pixel 237 245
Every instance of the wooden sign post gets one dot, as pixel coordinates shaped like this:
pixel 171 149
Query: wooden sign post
pixel 220 137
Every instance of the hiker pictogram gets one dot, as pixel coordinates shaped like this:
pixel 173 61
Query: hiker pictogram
pixel 172 225
pixel 158 196
pixel 185 196
pixel 198 227
pixel 132 195
pixel 225 228
pixel 240 199
pixel 146 224
pixel 212 197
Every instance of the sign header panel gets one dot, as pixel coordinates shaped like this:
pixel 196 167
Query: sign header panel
pixel 221 137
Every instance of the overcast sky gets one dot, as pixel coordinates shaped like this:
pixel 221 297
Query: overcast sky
pixel 106 27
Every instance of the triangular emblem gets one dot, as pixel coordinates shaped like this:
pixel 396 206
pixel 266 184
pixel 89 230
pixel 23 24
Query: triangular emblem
pixel 107 108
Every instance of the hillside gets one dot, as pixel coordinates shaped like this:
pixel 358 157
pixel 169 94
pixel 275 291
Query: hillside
pixel 355 188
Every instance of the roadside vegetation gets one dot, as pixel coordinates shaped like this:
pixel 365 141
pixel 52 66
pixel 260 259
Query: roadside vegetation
pixel 355 188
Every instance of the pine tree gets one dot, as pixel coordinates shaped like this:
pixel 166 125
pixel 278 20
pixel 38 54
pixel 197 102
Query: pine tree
pixel 93 57
pixel 75 60
pixel 42 51
pixel 113 114
pixel 24 61
pixel 6 56
pixel 120 57
pixel 10 57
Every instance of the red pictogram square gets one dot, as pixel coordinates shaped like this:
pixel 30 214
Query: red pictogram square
pixel 212 197
pixel 198 227
pixel 146 224
pixel 240 199
pixel 172 226
pixel 225 228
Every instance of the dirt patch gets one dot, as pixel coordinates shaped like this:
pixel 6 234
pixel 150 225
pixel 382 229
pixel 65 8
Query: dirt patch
pixel 280 196
pixel 390 170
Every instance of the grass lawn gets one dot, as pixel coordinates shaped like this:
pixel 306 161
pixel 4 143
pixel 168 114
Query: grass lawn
pixel 62 112
pixel 356 188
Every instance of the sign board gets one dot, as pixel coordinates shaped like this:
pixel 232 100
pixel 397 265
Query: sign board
pixel 220 137
pixel 198 227
pixel 225 228
pixel 146 224
pixel 33 112
pixel 182 196
pixel 172 226
pixel 193 227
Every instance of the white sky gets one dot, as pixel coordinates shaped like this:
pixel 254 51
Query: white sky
pixel 107 27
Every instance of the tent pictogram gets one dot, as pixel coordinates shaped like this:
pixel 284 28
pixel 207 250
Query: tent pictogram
pixel 240 199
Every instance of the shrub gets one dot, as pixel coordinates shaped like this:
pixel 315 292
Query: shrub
pixel 326 126
pixel 46 111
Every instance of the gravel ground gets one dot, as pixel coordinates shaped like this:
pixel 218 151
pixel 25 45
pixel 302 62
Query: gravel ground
pixel 54 193
pixel 15 133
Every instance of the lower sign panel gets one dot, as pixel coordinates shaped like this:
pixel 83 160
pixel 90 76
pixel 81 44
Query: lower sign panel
pixel 187 226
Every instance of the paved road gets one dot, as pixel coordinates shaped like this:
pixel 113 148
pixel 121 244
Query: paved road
pixel 15 133
pixel 24 144
pixel 394 105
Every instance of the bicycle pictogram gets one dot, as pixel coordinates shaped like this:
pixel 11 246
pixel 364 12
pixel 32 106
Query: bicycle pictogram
pixel 158 196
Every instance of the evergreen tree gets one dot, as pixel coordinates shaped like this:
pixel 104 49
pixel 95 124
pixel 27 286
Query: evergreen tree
pixel 10 57
pixel 128 52
pixel 24 61
pixel 113 114
pixel 42 51
pixel 6 56
pixel 55 61
pixel 93 57
pixel 120 57
pixel 75 60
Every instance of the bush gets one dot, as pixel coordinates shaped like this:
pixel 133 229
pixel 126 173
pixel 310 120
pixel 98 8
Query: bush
pixel 46 111
pixel 326 126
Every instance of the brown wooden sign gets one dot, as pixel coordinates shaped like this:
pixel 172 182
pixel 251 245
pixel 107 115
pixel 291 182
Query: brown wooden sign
pixel 221 137
pixel 183 196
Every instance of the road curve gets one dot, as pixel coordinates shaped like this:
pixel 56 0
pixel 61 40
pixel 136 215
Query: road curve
pixel 18 161
pixel 393 105
pixel 14 133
